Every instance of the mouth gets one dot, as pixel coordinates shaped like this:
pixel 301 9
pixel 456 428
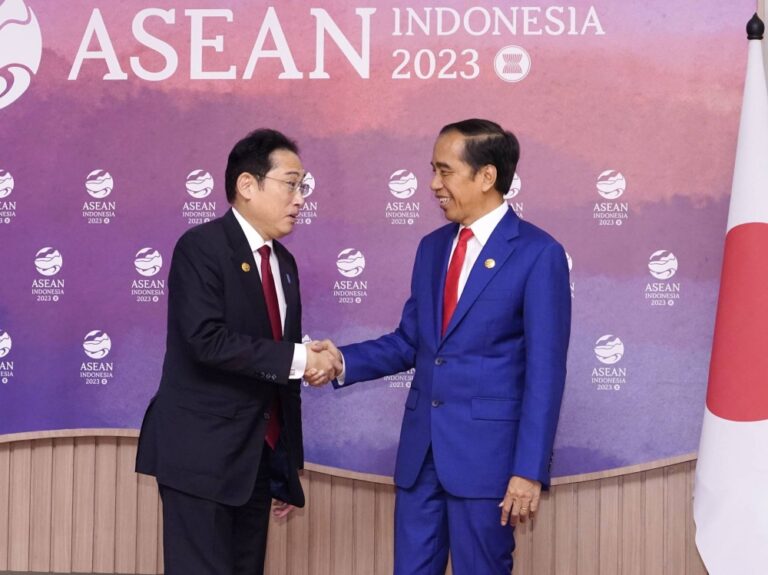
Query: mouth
pixel 443 200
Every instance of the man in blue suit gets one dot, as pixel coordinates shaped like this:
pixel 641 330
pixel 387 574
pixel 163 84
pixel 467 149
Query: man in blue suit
pixel 486 327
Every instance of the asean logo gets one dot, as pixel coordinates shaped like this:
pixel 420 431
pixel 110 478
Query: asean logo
pixel 97 344
pixel 609 349
pixel 21 46
pixel 403 184
pixel 611 184
pixel 99 184
pixel 148 262
pixel 515 188
pixel 6 181
pixel 512 63
pixel 350 263
pixel 308 185
pixel 48 261
pixel 5 343
pixel 662 265
pixel 199 184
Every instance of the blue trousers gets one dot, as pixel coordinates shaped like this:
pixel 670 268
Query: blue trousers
pixel 430 521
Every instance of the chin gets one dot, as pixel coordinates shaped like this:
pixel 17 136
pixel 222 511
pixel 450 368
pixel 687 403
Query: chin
pixel 452 217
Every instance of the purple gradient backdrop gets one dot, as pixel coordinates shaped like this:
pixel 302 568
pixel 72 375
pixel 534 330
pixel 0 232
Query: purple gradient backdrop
pixel 657 98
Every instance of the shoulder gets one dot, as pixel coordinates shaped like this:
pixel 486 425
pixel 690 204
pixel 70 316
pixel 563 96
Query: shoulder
pixel 537 237
pixel 209 238
pixel 439 236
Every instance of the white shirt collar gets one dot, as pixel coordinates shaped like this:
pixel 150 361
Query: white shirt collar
pixel 255 241
pixel 483 227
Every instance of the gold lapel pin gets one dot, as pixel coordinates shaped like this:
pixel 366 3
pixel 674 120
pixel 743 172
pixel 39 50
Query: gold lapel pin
pixel 245 266
pixel 490 263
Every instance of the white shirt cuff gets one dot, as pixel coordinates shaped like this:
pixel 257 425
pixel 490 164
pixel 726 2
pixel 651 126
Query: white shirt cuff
pixel 299 363
pixel 340 377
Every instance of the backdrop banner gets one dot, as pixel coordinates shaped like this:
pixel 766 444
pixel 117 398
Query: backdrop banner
pixel 116 119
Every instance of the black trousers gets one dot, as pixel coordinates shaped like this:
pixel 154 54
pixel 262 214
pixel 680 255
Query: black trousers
pixel 202 537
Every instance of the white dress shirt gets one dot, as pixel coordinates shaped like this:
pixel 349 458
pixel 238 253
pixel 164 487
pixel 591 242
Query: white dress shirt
pixel 255 241
pixel 482 229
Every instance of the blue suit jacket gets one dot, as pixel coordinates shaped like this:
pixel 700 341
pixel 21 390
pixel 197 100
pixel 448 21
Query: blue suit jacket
pixel 487 395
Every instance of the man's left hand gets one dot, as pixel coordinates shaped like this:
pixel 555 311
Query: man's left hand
pixel 520 501
pixel 280 509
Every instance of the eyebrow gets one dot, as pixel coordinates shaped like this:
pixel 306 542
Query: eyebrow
pixel 440 165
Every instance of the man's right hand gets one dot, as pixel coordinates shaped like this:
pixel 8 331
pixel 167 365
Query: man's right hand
pixel 323 363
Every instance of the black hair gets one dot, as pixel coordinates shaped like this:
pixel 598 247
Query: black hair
pixel 251 155
pixel 487 143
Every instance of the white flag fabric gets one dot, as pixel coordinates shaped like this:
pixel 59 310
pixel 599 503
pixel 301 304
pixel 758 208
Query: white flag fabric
pixel 731 491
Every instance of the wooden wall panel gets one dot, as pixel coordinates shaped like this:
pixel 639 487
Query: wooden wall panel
pixel 588 529
pixel 126 491
pixel 694 564
pixel 632 533
pixel 19 508
pixel 609 524
pixel 653 521
pixel 62 501
pixel 565 508
pixel 385 528
pixel 320 515
pixel 342 526
pixel 364 521
pixel 105 505
pixel 74 504
pixel 675 505
pixel 5 515
pixel 543 557
pixel 40 506
pixel 83 504
pixel 298 535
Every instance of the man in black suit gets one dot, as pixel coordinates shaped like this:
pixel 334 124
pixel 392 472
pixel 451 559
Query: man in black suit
pixel 223 433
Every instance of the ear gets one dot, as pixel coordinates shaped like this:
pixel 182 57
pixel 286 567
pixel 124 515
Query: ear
pixel 488 175
pixel 246 186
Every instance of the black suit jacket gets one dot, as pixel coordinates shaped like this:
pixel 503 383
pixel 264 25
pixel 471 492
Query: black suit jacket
pixel 203 432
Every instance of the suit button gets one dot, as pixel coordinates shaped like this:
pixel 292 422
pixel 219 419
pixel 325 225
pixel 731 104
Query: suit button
pixel 436 403
pixel 266 415
pixel 439 361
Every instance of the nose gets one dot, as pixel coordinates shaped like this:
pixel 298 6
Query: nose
pixel 298 199
pixel 436 183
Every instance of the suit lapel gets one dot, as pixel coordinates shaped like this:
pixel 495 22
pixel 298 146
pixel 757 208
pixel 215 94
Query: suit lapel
pixel 498 248
pixel 242 259
pixel 290 290
pixel 439 271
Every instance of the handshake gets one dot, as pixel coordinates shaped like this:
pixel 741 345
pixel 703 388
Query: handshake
pixel 324 362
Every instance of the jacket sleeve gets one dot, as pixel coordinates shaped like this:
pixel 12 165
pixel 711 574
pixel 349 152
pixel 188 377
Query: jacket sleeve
pixel 197 312
pixel 547 325
pixel 390 353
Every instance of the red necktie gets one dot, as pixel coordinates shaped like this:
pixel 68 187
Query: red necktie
pixel 273 310
pixel 451 293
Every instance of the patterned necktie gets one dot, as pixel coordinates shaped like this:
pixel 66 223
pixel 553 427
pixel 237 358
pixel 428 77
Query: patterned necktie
pixel 273 310
pixel 451 293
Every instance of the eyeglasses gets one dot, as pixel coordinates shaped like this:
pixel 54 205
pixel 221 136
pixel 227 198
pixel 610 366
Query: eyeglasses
pixel 300 186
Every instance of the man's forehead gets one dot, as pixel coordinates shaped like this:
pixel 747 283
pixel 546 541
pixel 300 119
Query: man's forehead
pixel 286 161
pixel 448 150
